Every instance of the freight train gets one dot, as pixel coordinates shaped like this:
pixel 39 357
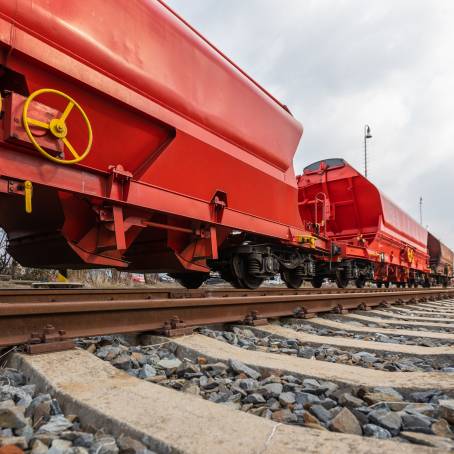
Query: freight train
pixel 378 241
pixel 142 147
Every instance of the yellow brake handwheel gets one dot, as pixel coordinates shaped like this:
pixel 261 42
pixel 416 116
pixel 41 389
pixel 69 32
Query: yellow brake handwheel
pixel 57 127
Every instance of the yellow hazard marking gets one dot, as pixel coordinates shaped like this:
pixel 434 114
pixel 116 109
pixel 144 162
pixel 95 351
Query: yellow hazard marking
pixel 28 193
pixel 307 239
pixel 61 278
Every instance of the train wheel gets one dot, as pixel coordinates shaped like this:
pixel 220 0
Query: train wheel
pixel 341 280
pixel 291 278
pixel 192 279
pixel 360 282
pixel 387 284
pixel 228 276
pixel 317 281
pixel 379 284
pixel 250 282
pixel 242 276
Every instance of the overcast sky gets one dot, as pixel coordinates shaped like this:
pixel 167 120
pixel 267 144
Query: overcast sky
pixel 339 64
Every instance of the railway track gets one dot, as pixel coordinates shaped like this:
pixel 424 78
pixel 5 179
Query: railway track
pixel 345 372
pixel 98 294
pixel 44 318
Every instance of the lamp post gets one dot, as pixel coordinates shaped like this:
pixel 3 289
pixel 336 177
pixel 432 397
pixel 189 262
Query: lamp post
pixel 367 135
pixel 420 210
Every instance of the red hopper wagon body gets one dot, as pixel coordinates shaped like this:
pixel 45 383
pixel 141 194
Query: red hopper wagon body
pixel 129 141
pixel 378 241
pixel 441 260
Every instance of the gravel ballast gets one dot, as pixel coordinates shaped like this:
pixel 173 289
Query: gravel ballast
pixel 379 412
pixel 34 422
pixel 393 362
pixel 307 327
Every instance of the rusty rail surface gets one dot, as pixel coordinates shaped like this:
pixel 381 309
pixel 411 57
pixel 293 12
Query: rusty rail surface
pixel 8 295
pixel 29 322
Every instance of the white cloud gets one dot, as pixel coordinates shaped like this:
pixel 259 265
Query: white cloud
pixel 341 64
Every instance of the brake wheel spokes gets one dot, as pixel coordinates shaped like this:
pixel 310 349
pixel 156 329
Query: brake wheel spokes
pixel 38 123
pixel 57 127
pixel 70 147
pixel 67 111
pixel 63 118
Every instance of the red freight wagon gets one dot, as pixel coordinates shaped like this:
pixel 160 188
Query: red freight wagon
pixel 379 242
pixel 441 260
pixel 136 144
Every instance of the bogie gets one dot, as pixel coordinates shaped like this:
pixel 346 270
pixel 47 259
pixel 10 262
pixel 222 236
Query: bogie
pixel 248 264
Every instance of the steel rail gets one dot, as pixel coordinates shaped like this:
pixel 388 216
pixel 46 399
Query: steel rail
pixel 18 320
pixel 25 295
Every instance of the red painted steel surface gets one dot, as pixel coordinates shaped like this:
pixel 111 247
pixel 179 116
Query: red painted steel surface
pixel 179 121
pixel 145 46
pixel 401 224
pixel 441 257
pixel 356 213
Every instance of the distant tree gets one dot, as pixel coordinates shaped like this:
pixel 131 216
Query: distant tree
pixel 5 258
